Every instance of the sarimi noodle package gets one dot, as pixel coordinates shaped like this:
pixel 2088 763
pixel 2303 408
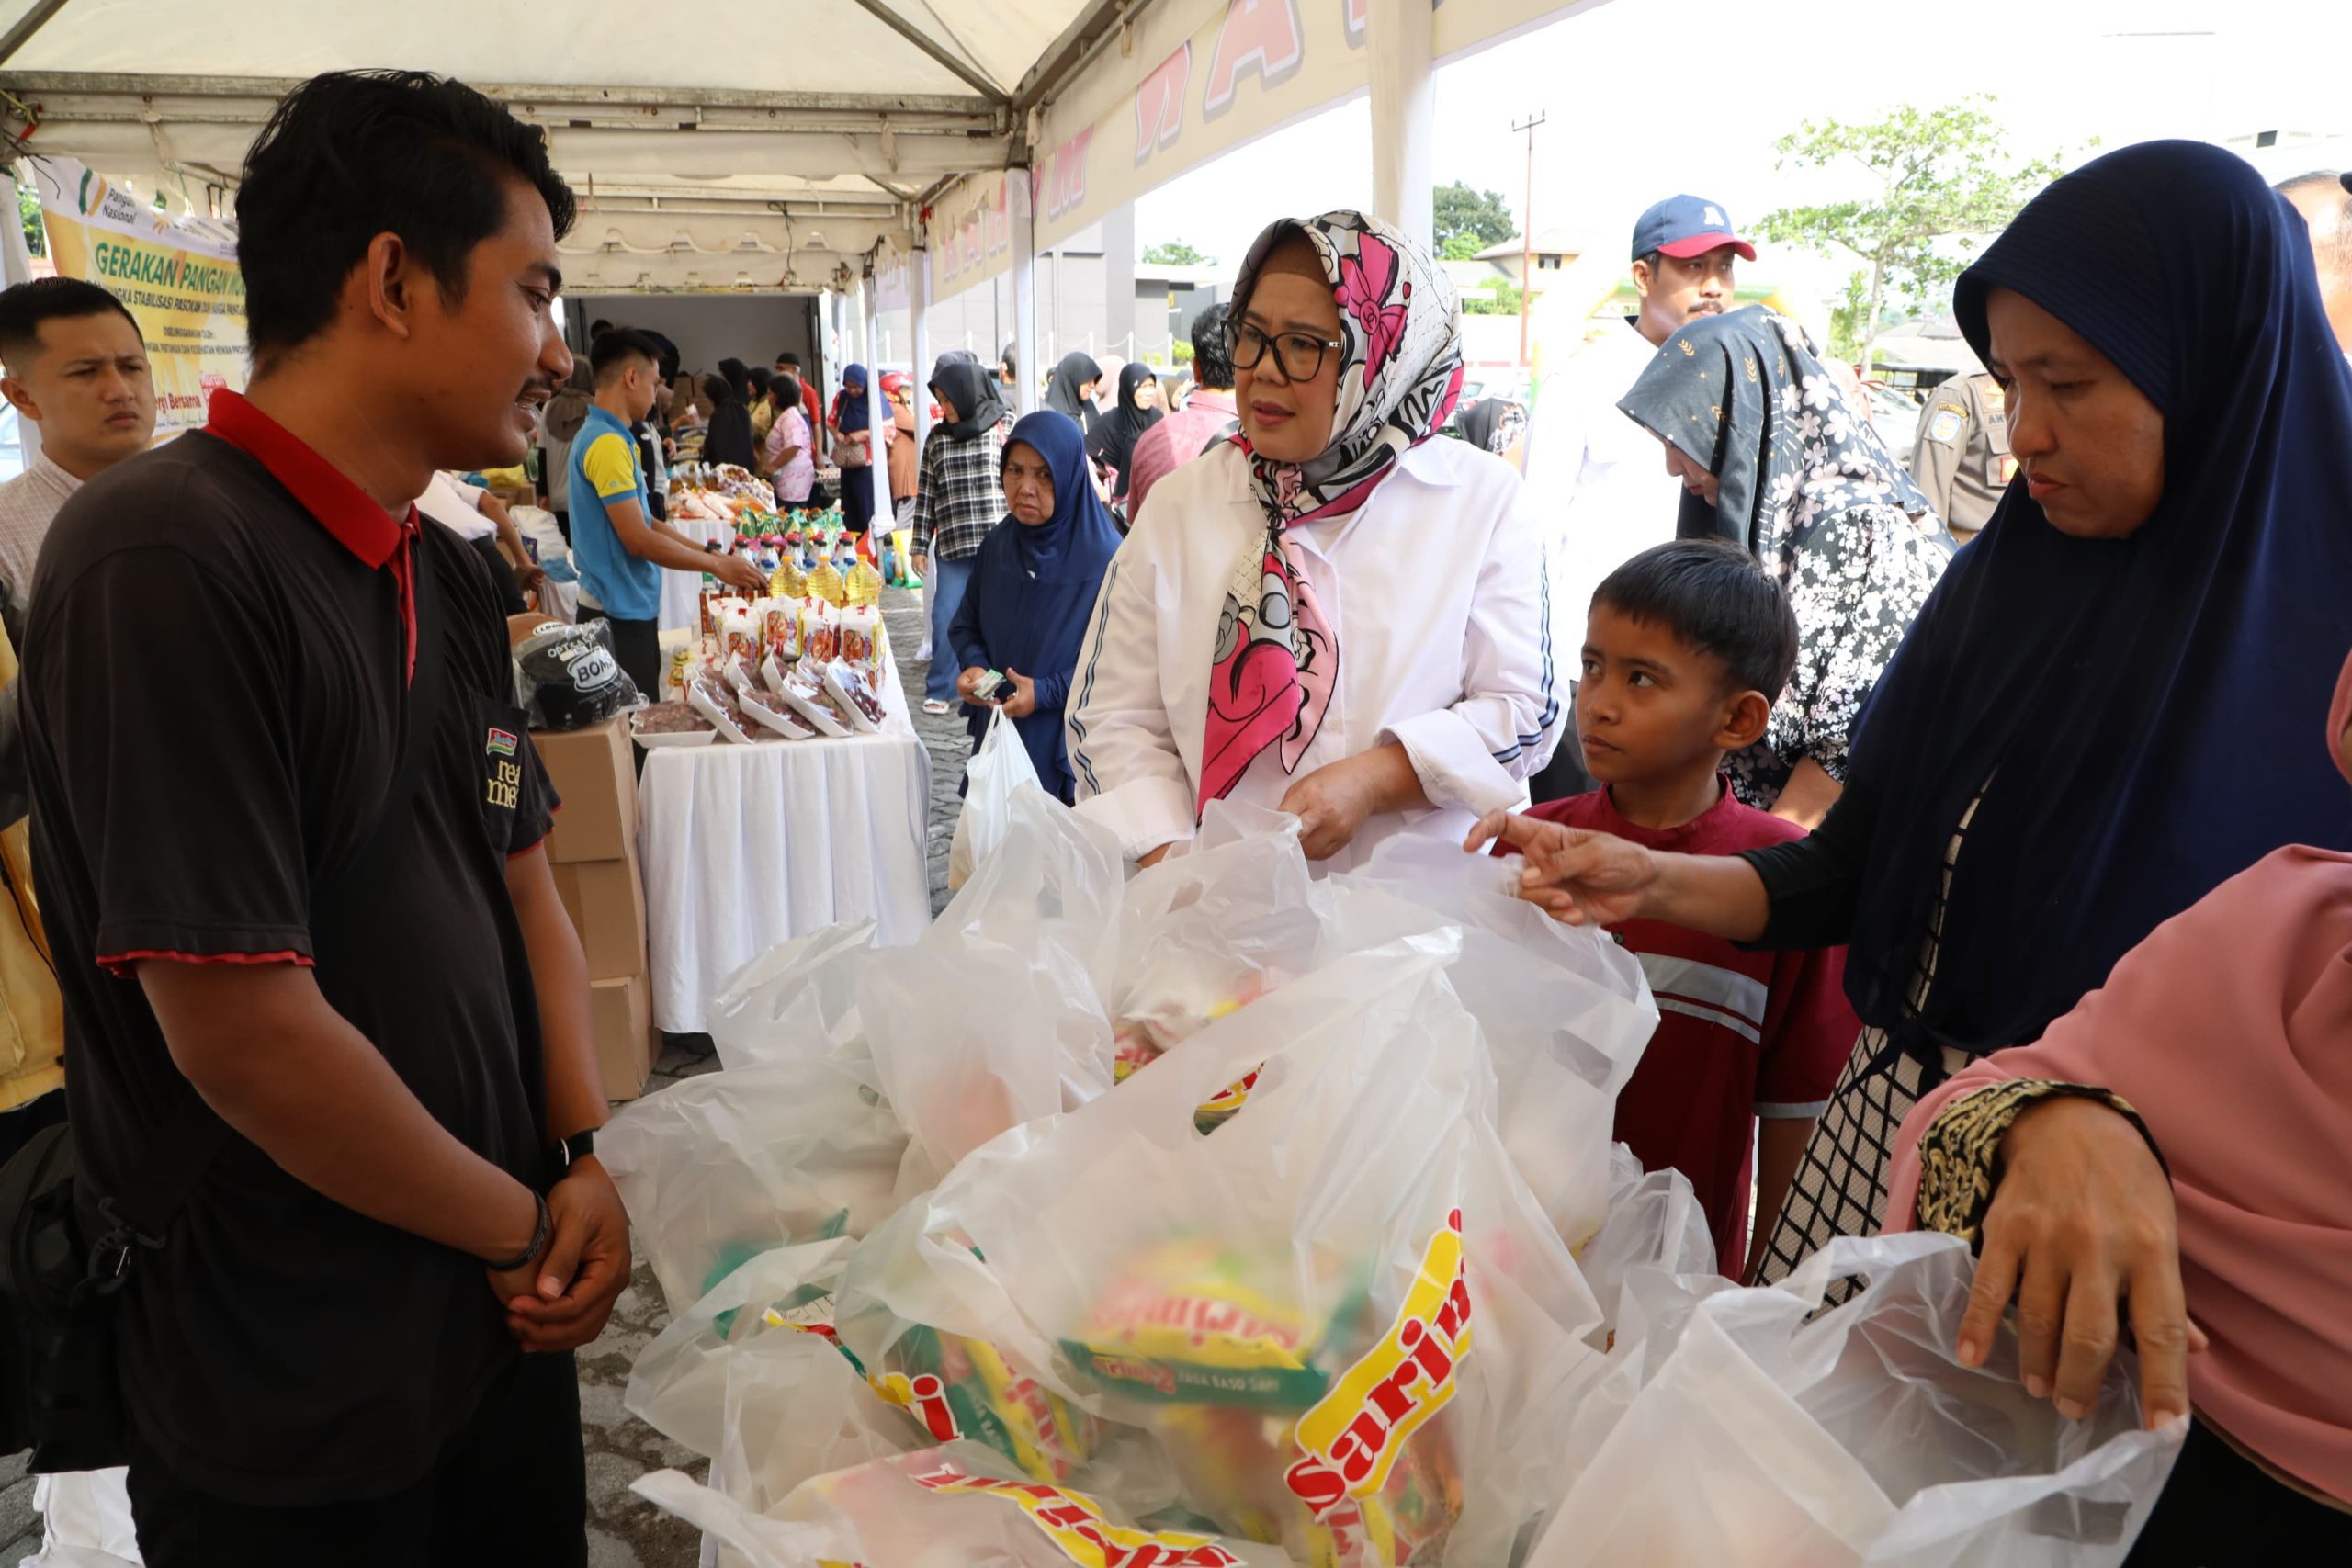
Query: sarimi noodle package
pixel 1343 1319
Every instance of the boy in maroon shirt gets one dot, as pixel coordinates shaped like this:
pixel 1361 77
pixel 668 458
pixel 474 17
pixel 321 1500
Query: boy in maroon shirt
pixel 1686 648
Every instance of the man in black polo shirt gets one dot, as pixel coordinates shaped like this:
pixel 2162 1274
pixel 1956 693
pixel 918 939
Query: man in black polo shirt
pixel 355 1346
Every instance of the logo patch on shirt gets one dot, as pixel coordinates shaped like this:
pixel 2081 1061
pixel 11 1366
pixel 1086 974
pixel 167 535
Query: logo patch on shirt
pixel 1946 424
pixel 501 743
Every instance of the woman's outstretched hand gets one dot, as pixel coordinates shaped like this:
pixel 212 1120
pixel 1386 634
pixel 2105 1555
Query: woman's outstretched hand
pixel 1579 877
pixel 2082 1219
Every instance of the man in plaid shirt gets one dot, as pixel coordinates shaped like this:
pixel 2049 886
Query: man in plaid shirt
pixel 960 496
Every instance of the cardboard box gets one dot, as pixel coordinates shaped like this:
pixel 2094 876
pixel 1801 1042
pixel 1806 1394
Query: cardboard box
pixel 595 771
pixel 605 899
pixel 622 1013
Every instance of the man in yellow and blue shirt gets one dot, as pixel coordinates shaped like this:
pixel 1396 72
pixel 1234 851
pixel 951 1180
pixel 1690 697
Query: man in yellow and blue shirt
pixel 619 547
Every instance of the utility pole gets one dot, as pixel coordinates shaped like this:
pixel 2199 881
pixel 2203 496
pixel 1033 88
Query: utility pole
pixel 1527 235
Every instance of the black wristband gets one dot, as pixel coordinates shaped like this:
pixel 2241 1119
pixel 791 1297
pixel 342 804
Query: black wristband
pixel 538 1239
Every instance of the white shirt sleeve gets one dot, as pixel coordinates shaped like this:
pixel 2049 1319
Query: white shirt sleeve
pixel 1476 755
pixel 1122 751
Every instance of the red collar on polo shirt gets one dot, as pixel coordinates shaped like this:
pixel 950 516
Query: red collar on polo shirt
pixel 343 508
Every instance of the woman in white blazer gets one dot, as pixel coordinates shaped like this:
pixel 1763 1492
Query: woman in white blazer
pixel 1332 615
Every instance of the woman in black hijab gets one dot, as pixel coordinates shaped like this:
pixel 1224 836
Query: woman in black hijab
pixel 1072 388
pixel 729 440
pixel 1112 443
pixel 1775 460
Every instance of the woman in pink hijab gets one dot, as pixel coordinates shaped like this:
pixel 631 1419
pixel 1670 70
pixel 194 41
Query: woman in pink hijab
pixel 2176 1153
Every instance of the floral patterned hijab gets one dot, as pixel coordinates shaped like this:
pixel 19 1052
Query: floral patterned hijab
pixel 1742 395
pixel 1400 373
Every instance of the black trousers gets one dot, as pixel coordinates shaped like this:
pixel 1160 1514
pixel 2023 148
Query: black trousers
pixel 637 647
pixel 2220 1510
pixel 510 1489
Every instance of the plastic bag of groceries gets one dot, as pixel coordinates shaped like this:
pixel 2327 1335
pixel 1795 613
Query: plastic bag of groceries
pixel 992 1019
pixel 797 1002
pixel 761 1340
pixel 1286 1306
pixel 1655 1221
pixel 1565 1011
pixel 1760 1438
pixel 719 1169
pixel 992 779
pixel 959 1506
pixel 1205 933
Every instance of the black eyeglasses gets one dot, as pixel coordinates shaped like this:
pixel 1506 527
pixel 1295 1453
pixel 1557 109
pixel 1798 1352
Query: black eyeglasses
pixel 1299 355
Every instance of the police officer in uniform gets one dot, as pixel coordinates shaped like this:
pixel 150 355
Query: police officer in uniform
pixel 1962 457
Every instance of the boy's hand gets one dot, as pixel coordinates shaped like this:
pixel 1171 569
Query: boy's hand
pixel 1578 877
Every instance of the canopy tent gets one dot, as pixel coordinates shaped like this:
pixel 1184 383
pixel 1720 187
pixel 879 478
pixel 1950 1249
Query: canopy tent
pixel 820 147
pixel 768 153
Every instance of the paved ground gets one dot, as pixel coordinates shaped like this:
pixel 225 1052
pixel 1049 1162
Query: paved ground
pixel 624 1531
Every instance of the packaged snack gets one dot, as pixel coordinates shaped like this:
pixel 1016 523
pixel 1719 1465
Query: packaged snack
pixel 766 708
pixel 860 637
pixel 806 696
pixel 709 698
pixel 739 630
pixel 670 724
pixel 820 631
pixel 1200 1322
pixel 963 1388
pixel 780 627
pixel 855 697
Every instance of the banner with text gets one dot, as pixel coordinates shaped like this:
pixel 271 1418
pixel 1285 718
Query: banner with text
pixel 1196 78
pixel 179 279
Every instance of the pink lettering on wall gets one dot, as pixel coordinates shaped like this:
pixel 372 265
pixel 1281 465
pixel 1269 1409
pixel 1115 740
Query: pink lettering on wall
pixel 1159 103
pixel 1066 186
pixel 1354 13
pixel 1263 36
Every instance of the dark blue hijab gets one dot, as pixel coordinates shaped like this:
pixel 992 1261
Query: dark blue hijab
pixel 1032 591
pixel 2142 707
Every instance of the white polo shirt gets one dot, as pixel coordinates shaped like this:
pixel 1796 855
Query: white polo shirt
pixel 1598 480
pixel 1439 597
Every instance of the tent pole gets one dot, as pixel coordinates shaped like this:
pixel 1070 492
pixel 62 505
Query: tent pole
pixel 1404 114
pixel 878 408
pixel 919 302
pixel 1018 197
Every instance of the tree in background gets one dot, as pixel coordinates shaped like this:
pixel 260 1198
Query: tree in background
pixel 1938 182
pixel 28 214
pixel 1466 221
pixel 1501 297
pixel 1176 253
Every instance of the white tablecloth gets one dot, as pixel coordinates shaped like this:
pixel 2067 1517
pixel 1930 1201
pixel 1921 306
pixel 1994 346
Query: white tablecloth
pixel 747 846
pixel 681 591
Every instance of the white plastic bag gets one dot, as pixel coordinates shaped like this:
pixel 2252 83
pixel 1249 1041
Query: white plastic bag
pixel 960 1507
pixel 1761 1438
pixel 1203 934
pixel 1565 1011
pixel 782 1298
pixel 1241 1294
pixel 997 770
pixel 719 1169
pixel 797 1002
pixel 991 1018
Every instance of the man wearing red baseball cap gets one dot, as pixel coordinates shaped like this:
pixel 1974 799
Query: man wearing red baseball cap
pixel 1683 253
pixel 1596 476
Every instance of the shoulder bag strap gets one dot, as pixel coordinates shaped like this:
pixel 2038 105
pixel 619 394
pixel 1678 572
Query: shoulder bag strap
pixel 192 1136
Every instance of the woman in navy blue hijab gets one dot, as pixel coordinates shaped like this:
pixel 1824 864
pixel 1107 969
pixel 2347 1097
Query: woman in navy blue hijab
pixel 1034 585
pixel 2101 714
